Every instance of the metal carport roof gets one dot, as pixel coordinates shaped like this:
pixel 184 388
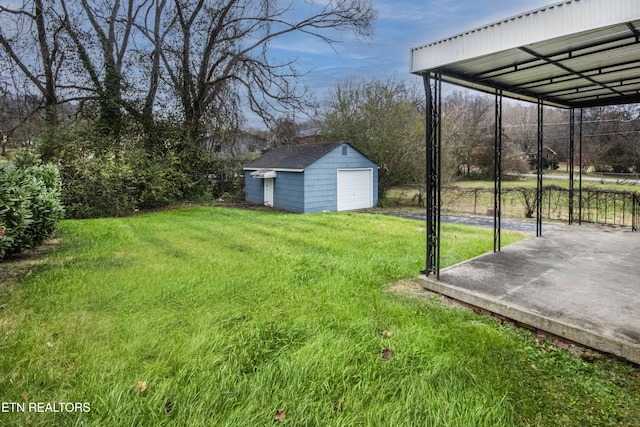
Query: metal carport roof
pixel 571 54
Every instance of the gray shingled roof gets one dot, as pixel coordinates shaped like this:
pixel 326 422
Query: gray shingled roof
pixel 292 156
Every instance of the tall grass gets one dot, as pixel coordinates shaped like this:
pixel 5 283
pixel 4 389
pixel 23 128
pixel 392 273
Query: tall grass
pixel 215 316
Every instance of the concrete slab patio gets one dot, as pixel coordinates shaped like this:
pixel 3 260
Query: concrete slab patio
pixel 581 283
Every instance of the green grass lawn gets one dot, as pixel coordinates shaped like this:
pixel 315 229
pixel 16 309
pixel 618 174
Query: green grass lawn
pixel 215 316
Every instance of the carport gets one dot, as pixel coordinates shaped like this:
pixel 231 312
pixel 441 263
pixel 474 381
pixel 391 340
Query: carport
pixel 572 54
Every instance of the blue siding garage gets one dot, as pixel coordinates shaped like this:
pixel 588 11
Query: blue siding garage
pixel 312 178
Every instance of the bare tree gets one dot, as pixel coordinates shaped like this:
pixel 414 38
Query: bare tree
pixel 22 29
pixel 101 35
pixel 385 121
pixel 284 132
pixel 612 138
pixel 19 125
pixel 217 52
pixel 520 124
pixel 468 136
pixel 212 55
pixel 467 130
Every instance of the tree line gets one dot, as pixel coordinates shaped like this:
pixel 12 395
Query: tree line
pixel 386 120
pixel 124 95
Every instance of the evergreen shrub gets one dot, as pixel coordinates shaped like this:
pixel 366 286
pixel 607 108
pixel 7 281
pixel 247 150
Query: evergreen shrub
pixel 30 202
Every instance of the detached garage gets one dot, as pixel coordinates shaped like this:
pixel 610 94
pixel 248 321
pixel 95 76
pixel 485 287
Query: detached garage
pixel 312 178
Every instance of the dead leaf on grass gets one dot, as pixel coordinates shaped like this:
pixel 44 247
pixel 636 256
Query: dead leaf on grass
pixel 386 334
pixel 534 367
pixel 387 354
pixel 49 344
pixel 141 388
pixel 279 416
pixel 561 344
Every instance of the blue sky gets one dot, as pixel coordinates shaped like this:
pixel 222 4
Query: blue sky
pixel 401 25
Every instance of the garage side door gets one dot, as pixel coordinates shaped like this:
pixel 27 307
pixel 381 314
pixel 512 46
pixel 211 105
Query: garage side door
pixel 355 189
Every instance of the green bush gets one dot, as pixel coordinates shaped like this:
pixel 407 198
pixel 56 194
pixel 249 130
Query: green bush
pixel 158 181
pixel 226 177
pixel 106 176
pixel 97 186
pixel 30 203
pixel 108 185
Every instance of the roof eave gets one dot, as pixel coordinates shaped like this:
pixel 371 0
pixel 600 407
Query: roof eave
pixel 273 169
pixel 549 22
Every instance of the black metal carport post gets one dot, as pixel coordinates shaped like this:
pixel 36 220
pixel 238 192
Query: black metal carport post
pixel 572 145
pixel 580 168
pixel 572 154
pixel 497 174
pixel 433 91
pixel 540 165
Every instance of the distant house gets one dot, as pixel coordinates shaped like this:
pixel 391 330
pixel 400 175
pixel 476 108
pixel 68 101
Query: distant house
pixel 312 178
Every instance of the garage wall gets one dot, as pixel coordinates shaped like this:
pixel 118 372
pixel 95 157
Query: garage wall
pixel 288 191
pixel 254 189
pixel 321 178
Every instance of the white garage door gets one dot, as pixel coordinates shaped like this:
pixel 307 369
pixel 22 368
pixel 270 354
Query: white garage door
pixel 355 189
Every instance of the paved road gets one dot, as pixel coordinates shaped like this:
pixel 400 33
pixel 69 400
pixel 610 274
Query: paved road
pixel 485 222
pixel 584 178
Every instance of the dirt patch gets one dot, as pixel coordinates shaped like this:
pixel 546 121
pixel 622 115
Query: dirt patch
pixel 247 206
pixel 13 268
pixel 6 323
pixel 410 287
pixel 413 288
